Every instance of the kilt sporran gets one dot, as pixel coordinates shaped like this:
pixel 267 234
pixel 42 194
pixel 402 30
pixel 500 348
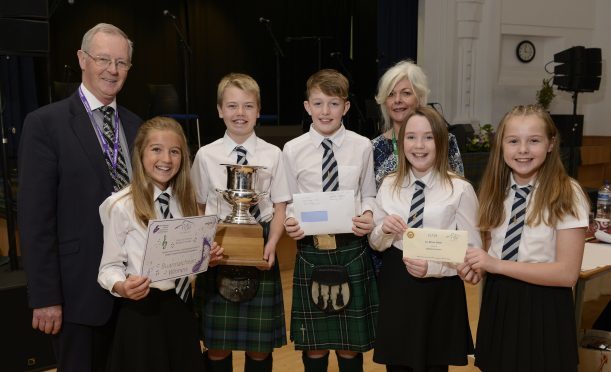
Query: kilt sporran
pixel 330 288
pixel 238 283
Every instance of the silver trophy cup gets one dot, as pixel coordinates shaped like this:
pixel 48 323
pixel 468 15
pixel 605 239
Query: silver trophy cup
pixel 240 192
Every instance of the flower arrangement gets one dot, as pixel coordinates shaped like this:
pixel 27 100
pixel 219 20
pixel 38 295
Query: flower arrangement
pixel 481 141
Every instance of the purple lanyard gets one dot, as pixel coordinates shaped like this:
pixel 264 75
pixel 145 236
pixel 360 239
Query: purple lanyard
pixel 100 135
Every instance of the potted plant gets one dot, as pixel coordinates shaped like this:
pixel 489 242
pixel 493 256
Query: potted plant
pixel 546 94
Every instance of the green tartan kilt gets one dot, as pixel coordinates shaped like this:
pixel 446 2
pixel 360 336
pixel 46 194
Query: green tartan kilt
pixel 256 325
pixel 352 329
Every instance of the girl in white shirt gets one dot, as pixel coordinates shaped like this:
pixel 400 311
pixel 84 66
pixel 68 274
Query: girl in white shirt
pixel 156 329
pixel 527 320
pixel 423 323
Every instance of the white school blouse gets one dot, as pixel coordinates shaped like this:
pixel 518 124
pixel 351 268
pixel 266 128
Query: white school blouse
pixel 354 156
pixel 538 243
pixel 125 239
pixel 207 174
pixel 444 208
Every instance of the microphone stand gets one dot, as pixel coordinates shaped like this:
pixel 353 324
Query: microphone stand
pixel 278 53
pixel 186 59
pixel 573 159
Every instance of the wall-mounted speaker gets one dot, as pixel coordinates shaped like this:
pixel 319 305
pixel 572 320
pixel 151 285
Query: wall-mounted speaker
pixel 579 69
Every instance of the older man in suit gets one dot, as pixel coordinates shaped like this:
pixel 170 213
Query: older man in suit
pixel 73 154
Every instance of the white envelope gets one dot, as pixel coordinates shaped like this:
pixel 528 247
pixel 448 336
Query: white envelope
pixel 328 212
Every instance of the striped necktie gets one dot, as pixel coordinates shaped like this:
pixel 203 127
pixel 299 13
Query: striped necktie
pixel 417 208
pixel 516 223
pixel 330 175
pixel 183 287
pixel 120 177
pixel 241 160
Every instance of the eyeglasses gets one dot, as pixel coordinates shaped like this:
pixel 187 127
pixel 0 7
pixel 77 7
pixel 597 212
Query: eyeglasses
pixel 105 62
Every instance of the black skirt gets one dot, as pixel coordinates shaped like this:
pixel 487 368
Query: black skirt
pixel 157 333
pixel 525 327
pixel 422 321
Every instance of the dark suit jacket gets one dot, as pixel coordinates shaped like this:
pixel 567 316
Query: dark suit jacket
pixel 63 179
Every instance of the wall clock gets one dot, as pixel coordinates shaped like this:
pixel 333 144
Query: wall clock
pixel 525 51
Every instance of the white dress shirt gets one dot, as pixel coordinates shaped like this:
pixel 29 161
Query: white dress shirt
pixel 354 155
pixel 445 208
pixel 207 174
pixel 125 239
pixel 538 243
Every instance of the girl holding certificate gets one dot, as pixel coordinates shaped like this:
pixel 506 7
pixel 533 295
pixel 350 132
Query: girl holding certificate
pixel 423 300
pixel 156 329
pixel 534 217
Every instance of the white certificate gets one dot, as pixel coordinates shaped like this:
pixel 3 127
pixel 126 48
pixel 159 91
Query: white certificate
pixel 328 212
pixel 178 247
pixel 436 245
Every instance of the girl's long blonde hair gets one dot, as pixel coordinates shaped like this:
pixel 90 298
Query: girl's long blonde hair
pixel 555 196
pixel 142 185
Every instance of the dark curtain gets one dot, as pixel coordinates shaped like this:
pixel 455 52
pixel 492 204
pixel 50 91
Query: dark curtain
pixel 19 96
pixel 397 32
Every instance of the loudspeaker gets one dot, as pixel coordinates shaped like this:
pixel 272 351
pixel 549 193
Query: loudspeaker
pixel 579 70
pixel 23 348
pixel 24 9
pixel 27 37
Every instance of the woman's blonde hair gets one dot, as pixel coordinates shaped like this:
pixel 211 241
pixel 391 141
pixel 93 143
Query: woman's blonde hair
pixel 400 71
pixel 142 185
pixel 440 136
pixel 555 196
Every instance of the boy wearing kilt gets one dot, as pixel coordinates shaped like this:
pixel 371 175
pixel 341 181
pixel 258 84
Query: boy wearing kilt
pixel 335 298
pixel 254 322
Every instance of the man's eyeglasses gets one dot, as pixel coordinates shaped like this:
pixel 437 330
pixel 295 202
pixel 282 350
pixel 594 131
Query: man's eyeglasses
pixel 104 62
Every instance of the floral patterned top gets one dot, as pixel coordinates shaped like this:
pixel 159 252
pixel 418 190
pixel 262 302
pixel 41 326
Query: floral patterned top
pixel 384 161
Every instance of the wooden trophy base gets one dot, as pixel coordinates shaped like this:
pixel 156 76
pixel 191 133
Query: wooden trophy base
pixel 243 244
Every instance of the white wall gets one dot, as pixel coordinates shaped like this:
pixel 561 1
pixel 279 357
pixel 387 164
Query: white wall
pixel 467 48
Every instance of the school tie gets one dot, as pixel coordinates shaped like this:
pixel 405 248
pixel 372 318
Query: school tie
pixel 183 287
pixel 120 177
pixel 330 175
pixel 516 223
pixel 241 160
pixel 417 208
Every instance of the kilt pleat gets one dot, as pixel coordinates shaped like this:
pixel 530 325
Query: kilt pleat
pixel 353 328
pixel 525 327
